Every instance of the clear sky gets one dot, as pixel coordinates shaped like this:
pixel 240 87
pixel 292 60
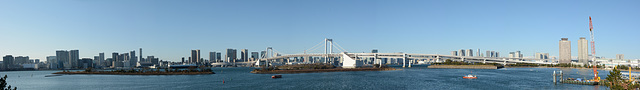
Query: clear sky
pixel 169 29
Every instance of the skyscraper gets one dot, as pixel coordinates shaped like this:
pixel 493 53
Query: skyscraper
pixel 231 55
pixel 141 59
pixel 461 52
pixel 133 60
pixel 212 56
pixel 262 54
pixel 74 56
pixel 115 60
pixel 583 50
pixel 244 55
pixel 374 51
pixel 101 60
pixel 63 58
pixel 565 50
pixel 454 53
pixel 218 56
pixel 468 53
pixel 478 54
pixel 195 56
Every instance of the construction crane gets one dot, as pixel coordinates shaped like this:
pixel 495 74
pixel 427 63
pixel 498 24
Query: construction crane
pixel 593 53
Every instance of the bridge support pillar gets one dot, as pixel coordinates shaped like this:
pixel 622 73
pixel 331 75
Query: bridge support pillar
pixel 484 61
pixel 410 61
pixel 404 60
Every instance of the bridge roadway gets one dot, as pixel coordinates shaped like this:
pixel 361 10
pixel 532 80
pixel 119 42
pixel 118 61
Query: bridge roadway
pixel 425 57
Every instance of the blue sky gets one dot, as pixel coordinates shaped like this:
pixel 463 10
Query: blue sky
pixel 169 29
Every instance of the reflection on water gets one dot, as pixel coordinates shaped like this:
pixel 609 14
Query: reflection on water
pixel 240 78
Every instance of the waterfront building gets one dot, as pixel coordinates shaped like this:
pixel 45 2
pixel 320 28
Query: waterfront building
pixel 497 54
pixel 195 56
pixel 565 50
pixel 478 54
pixel 86 63
pixel 115 60
pixel 8 61
pixel 153 60
pixel 461 52
pixel 108 62
pixel 244 55
pixel 63 57
pixel 212 56
pixel 489 54
pixel 133 60
pixel 583 51
pixel 541 55
pixel 231 55
pixel 374 51
pixel 74 56
pixel 255 56
pixel 620 56
pixel 218 56
pixel 262 54
pixel 21 60
pixel 101 60
pixel 53 62
pixel 142 59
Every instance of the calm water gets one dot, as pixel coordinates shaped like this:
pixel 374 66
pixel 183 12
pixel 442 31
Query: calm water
pixel 240 78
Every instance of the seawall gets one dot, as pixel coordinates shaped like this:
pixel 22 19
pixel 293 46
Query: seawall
pixel 464 66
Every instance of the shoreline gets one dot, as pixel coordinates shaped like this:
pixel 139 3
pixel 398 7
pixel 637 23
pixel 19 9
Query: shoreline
pixel 145 73
pixel 321 70
pixel 463 67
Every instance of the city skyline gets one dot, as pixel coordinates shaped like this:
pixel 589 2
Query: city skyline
pixel 169 30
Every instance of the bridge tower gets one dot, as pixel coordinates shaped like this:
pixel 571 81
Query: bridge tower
pixel 329 51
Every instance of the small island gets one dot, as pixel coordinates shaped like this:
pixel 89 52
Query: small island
pixel 312 68
pixel 190 71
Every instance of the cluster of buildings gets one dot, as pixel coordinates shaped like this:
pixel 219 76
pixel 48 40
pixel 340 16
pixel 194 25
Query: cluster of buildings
pixel 469 53
pixel 216 57
pixel 20 63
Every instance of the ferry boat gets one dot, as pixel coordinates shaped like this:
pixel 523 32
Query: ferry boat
pixel 470 77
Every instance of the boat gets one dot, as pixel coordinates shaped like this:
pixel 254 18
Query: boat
pixel 276 76
pixel 470 77
pixel 52 75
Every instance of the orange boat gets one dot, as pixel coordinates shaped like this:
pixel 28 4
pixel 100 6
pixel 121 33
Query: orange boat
pixel 470 77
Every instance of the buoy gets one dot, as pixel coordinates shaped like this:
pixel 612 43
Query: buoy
pixel 222 81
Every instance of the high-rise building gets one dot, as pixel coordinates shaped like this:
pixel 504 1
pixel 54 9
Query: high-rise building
pixel 231 55
pixel 620 56
pixel 74 56
pixel 218 56
pixel 565 50
pixel 497 54
pixel 255 56
pixel 85 63
pixel 53 62
pixel 374 51
pixel 478 54
pixel 195 56
pixel 101 60
pixel 133 60
pixel 244 55
pixel 454 53
pixel 153 60
pixel 142 59
pixel 63 58
pixel 541 55
pixel 583 50
pixel 468 53
pixel 21 60
pixel 212 56
pixel 461 52
pixel 8 61
pixel 115 60
pixel 262 54
pixel 489 54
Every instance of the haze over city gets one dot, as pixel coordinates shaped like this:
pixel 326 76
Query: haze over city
pixel 170 29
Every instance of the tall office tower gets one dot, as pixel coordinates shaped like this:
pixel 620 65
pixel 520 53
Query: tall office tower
pixel 141 59
pixel 488 54
pixel 115 59
pixel 255 56
pixel 63 58
pixel 74 56
pixel 262 54
pixel 133 61
pixel 583 51
pixel 620 56
pixel 195 56
pixel 96 61
pixel 461 52
pixel 454 53
pixel 53 62
pixel 244 55
pixel 512 55
pixel 478 54
pixel 101 60
pixel 125 58
pixel 374 51
pixel 8 62
pixel 231 55
pixel 497 54
pixel 212 56
pixel 469 53
pixel 518 54
pixel 565 50
pixel 218 56
pixel 154 60
pixel 493 54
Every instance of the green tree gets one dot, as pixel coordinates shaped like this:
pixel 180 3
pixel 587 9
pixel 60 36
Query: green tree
pixel 615 81
pixel 3 84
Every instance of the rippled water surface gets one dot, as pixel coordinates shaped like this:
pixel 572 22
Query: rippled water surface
pixel 240 78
